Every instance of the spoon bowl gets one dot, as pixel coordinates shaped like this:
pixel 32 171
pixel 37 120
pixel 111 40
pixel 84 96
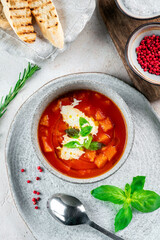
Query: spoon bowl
pixel 70 211
pixel 67 209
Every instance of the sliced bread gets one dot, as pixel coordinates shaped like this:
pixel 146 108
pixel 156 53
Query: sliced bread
pixel 19 16
pixel 3 21
pixel 47 18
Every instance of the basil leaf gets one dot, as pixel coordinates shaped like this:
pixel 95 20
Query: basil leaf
pixel 95 146
pixel 109 193
pixel 128 190
pixel 137 183
pixel 72 144
pixel 145 201
pixel 85 131
pixel 87 141
pixel 123 218
pixel 73 132
pixel 83 121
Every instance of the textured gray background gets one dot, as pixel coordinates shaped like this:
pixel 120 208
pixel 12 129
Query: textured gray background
pixel 143 160
pixel 93 50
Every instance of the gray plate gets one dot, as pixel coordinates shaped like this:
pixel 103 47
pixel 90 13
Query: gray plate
pixel 143 160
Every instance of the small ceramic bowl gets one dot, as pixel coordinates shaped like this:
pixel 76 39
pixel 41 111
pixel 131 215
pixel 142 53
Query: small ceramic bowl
pixel 130 50
pixel 61 88
pixel 120 4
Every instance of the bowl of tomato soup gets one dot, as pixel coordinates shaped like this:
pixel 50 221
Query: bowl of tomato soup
pixel 81 134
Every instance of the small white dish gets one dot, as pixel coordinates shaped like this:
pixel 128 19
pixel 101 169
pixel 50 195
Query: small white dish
pixel 120 4
pixel 130 51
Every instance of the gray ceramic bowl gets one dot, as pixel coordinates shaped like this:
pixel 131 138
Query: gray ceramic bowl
pixel 62 87
pixel 120 4
pixel 130 50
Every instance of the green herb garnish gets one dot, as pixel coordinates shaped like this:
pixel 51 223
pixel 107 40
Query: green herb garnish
pixel 85 127
pixel 73 144
pixel 95 146
pixel 31 69
pixel 73 132
pixel 83 121
pixel 87 141
pixel 85 131
pixel 134 196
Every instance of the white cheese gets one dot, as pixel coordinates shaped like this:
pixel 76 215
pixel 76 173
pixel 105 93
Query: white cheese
pixel 71 116
pixel 70 153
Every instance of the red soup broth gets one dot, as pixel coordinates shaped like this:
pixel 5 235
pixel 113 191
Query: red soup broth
pixel 111 133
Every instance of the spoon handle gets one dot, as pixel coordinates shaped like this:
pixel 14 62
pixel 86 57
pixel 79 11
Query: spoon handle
pixel 104 231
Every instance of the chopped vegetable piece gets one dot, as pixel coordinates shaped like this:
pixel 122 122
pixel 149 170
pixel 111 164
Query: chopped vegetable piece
pixel 107 155
pixel 45 121
pixel 102 137
pixel 56 106
pixel 44 131
pixel 87 110
pixel 90 154
pixel 110 152
pixel 100 115
pixel 46 145
pixel 101 160
pixel 106 124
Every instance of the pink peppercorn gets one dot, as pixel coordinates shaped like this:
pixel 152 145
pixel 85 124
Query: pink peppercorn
pixel 38 193
pixel 148 54
pixel 28 181
pixel 38 199
pixel 37 178
pixel 35 192
pixel 34 199
pixel 22 170
pixel 41 170
pixel 36 207
pixel 38 167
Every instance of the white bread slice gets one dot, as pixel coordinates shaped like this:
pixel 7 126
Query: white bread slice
pixel 3 21
pixel 19 16
pixel 47 18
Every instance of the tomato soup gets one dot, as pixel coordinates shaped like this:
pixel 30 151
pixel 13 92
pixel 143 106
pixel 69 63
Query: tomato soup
pixel 82 134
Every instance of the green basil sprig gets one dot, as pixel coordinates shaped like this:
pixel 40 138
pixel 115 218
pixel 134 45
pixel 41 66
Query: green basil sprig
pixel 95 146
pixel 134 196
pixel 87 142
pixel 85 127
pixel 85 131
pixel 73 132
pixel 73 144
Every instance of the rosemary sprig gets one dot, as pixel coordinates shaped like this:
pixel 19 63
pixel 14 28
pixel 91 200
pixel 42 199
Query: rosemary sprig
pixel 4 102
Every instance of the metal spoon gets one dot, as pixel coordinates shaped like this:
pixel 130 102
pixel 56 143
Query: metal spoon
pixel 70 211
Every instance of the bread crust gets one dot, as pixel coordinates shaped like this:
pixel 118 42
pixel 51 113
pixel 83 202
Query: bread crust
pixel 47 18
pixel 3 21
pixel 19 16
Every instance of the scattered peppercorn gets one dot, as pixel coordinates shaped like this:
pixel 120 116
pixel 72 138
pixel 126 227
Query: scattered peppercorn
pixel 38 199
pixel 36 207
pixel 37 178
pixel 22 170
pixel 35 192
pixel 41 170
pixel 148 54
pixel 28 181
pixel 38 167
pixel 38 193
